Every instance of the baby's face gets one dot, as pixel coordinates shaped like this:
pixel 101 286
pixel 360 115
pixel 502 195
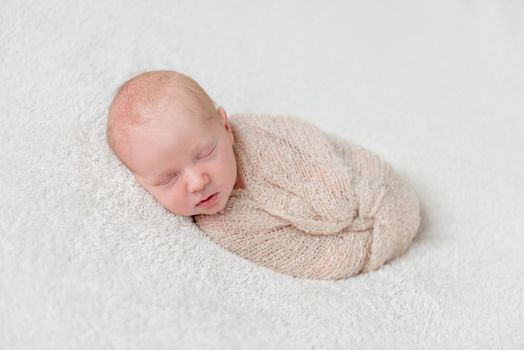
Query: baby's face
pixel 184 161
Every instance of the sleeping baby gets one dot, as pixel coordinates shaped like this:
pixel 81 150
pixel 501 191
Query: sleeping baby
pixel 273 189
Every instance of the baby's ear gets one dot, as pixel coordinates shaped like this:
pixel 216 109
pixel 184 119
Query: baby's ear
pixel 225 121
pixel 222 113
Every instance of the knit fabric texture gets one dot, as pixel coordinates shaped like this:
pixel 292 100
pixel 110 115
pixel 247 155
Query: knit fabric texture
pixel 314 204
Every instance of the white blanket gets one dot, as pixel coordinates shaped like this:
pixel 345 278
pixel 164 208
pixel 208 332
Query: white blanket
pixel 88 260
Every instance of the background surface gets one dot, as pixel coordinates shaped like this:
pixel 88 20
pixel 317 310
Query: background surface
pixel 88 260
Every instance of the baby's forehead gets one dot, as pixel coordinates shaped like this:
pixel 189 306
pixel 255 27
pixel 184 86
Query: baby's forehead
pixel 190 130
pixel 166 142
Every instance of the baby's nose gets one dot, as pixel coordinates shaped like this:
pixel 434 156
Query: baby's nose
pixel 196 180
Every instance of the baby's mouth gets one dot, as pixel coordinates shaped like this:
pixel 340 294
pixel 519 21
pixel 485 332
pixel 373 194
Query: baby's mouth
pixel 203 201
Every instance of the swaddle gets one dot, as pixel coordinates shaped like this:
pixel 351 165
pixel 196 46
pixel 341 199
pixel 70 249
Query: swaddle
pixel 314 204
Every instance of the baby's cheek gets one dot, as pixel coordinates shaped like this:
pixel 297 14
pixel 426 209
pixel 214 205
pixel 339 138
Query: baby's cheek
pixel 164 196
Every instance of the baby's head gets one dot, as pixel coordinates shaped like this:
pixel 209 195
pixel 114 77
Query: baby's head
pixel 167 131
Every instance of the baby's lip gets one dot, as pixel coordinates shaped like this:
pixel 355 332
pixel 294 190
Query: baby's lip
pixel 204 198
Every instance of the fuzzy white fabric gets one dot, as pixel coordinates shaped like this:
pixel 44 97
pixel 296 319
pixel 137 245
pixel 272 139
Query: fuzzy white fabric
pixel 88 260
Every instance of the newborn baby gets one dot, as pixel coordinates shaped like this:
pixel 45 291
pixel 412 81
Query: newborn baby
pixel 167 131
pixel 275 190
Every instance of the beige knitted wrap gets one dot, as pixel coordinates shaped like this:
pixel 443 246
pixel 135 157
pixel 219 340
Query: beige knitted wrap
pixel 314 205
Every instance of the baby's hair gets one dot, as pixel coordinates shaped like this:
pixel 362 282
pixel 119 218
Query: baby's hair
pixel 146 95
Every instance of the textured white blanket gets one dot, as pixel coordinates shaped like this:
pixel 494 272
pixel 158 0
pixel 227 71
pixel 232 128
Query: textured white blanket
pixel 88 260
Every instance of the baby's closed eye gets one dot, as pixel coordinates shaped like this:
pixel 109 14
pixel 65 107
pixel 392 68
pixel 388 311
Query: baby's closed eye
pixel 175 175
pixel 209 153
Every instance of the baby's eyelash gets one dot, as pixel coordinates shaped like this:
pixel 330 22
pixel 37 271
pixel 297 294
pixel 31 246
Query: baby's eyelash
pixel 210 153
pixel 165 182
